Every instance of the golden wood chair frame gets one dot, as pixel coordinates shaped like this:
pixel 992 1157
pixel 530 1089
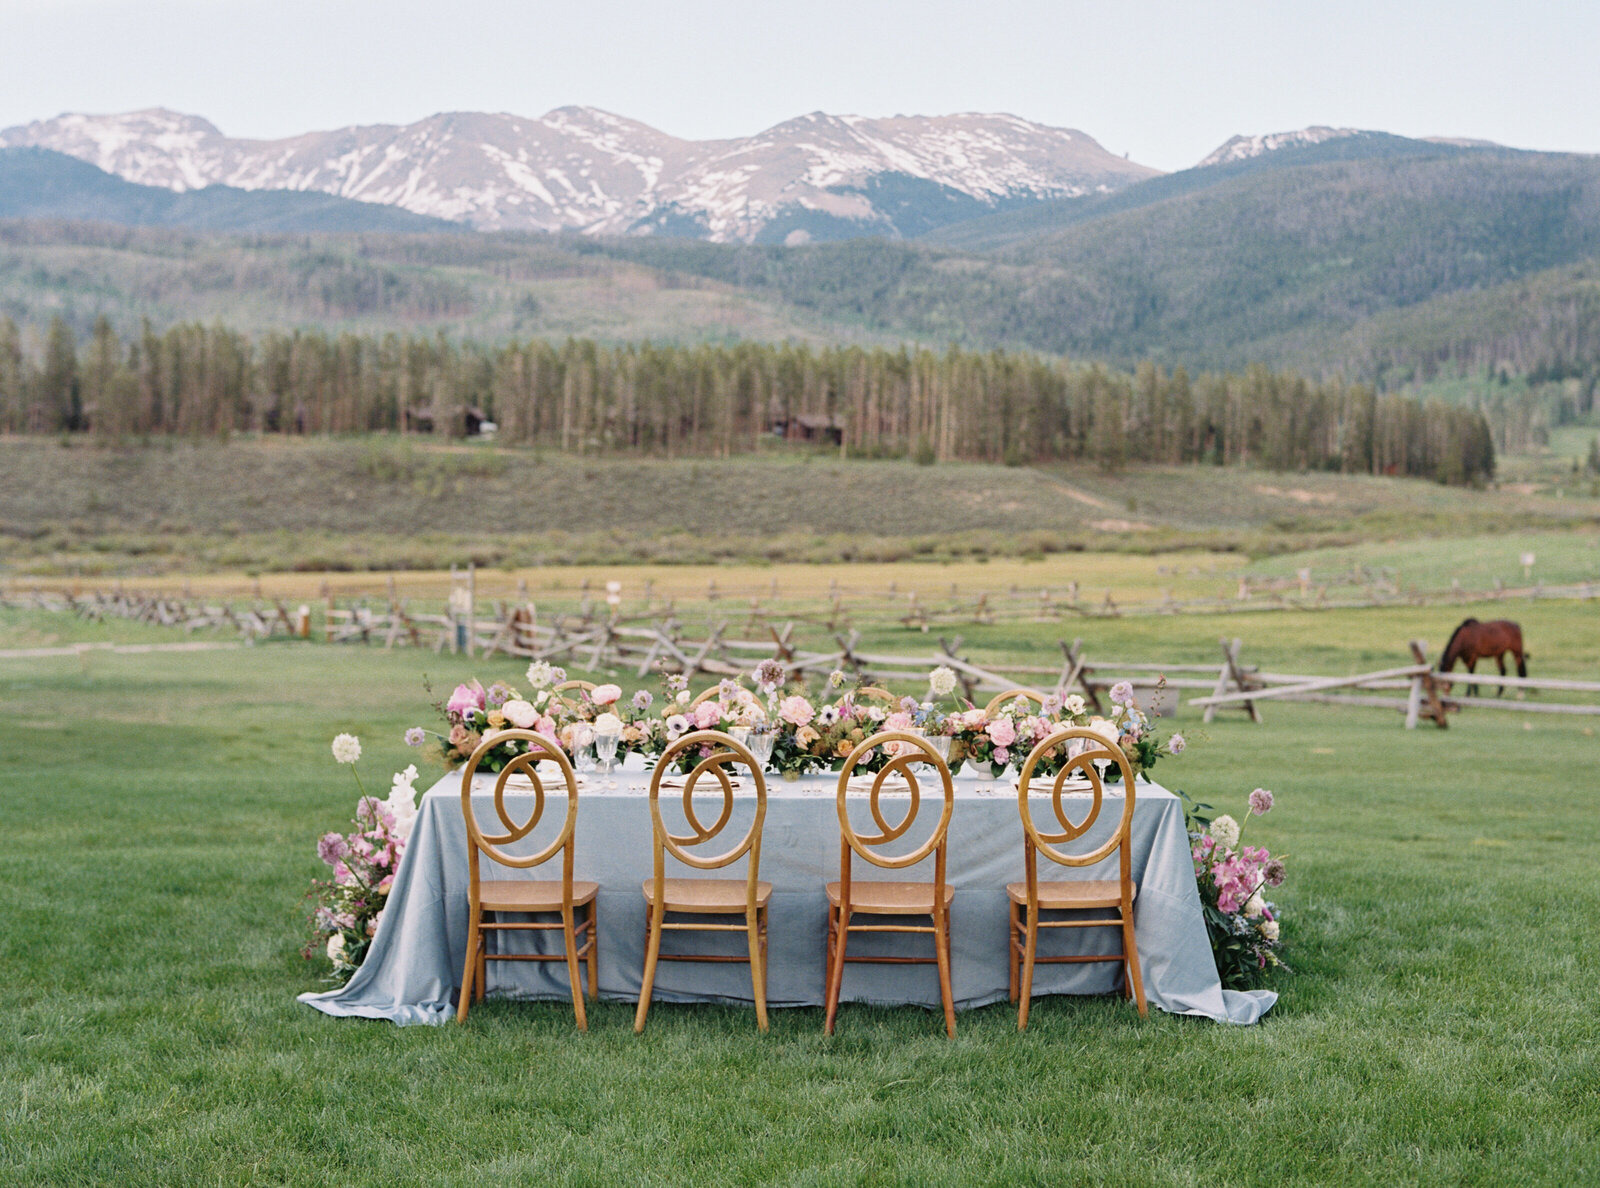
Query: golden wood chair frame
pixel 1031 897
pixel 564 686
pixel 847 897
pixel 488 898
pixel 1011 695
pixel 701 897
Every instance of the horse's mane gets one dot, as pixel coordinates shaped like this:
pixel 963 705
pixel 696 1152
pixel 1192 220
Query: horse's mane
pixel 1449 648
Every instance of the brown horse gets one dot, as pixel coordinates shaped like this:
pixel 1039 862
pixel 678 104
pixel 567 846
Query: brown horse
pixel 1474 641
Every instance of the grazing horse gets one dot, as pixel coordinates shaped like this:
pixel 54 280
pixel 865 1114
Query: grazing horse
pixel 1474 641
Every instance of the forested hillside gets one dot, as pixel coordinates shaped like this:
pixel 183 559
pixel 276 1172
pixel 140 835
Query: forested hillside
pixel 585 397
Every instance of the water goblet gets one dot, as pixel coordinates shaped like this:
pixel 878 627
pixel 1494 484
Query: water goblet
pixel 605 745
pixel 759 742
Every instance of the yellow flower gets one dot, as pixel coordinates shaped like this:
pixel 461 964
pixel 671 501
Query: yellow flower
pixel 496 719
pixel 805 736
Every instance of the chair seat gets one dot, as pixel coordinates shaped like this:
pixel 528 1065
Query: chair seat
pixel 713 896
pixel 531 895
pixel 1074 895
pixel 891 899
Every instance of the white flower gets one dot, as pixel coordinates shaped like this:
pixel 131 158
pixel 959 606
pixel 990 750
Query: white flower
pixel 676 725
pixel 608 724
pixel 1225 830
pixel 875 713
pixel 1074 704
pixel 540 674
pixel 1176 744
pixel 520 714
pixel 336 948
pixel 1105 728
pixel 605 694
pixel 404 781
pixel 1256 905
pixel 683 697
pixel 1269 929
pixel 346 748
pixel 942 681
pixel 613 587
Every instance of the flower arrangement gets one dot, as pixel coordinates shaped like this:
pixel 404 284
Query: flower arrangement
pixel 349 904
pixel 1234 880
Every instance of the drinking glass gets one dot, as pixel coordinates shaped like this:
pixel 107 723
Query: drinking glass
pixel 759 741
pixel 605 745
pixel 583 758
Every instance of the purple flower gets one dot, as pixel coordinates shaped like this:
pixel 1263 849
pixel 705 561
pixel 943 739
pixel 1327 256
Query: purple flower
pixel 1260 802
pixel 1274 872
pixel 499 693
pixel 1002 755
pixel 1176 744
pixel 769 674
pixel 415 736
pixel 558 675
pixel 331 847
pixel 642 700
pixel 1122 693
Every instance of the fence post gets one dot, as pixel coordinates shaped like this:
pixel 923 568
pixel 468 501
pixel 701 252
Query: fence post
pixel 1424 686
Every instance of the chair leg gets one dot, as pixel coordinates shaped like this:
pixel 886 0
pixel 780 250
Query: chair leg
pixel 758 975
pixel 1130 949
pixel 483 965
pixel 652 951
pixel 766 968
pixel 836 981
pixel 469 972
pixel 941 949
pixel 1026 989
pixel 1011 949
pixel 594 953
pixel 570 936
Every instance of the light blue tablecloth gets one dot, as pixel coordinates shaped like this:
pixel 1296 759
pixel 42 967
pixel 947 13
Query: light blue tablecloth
pixel 413 969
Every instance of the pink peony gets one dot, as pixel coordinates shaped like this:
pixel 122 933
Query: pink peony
pixel 466 698
pixel 605 694
pixel 520 714
pixel 796 710
pixel 1260 801
pixel 1002 755
pixel 899 720
pixel 1002 733
pixel 707 715
pixel 546 726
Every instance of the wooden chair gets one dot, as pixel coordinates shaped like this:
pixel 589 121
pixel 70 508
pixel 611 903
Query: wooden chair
pixel 489 898
pixel 705 899
pixel 1011 695
pixel 749 699
pixel 847 897
pixel 1032 897
pixel 564 686
pixel 875 693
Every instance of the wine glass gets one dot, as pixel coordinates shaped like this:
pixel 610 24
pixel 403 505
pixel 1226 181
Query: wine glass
pixel 583 758
pixel 605 745
pixel 759 742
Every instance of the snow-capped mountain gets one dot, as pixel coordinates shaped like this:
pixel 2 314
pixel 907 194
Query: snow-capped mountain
pixel 1242 148
pixel 578 168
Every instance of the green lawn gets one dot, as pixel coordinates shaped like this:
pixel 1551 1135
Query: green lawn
pixel 160 812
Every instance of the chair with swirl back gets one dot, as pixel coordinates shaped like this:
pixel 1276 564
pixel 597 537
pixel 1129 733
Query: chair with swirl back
pixel 1033 897
pixel 583 687
pixel 488 899
pixel 875 693
pixel 707 902
pixel 850 897
pixel 1012 695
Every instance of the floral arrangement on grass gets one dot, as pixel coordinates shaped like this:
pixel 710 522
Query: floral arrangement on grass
pixel 349 904
pixel 1234 881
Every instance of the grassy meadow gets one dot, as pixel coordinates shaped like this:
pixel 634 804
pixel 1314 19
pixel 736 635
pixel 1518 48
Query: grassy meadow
pixel 385 503
pixel 161 812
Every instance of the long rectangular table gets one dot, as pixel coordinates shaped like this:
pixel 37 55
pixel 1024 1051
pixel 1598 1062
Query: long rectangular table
pixel 413 969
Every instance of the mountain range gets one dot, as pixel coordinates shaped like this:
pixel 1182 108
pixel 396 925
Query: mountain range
pixel 816 177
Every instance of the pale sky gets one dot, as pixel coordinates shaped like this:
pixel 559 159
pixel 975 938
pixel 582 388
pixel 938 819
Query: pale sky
pixel 1163 81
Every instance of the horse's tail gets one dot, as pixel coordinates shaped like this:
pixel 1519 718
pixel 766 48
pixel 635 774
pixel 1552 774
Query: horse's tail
pixel 1448 659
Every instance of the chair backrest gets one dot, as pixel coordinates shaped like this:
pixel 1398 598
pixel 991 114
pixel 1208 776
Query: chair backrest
pixel 875 693
pixel 726 754
pixel 906 750
pixel 565 686
pixel 746 698
pixel 1059 752
pixel 1011 695
pixel 525 763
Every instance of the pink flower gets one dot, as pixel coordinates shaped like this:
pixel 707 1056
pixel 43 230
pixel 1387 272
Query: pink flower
pixel 342 875
pixel 1122 693
pixel 1260 801
pixel 466 698
pixel 605 694
pixel 331 847
pixel 1002 733
pixel 707 715
pixel 1002 755
pixel 383 887
pixel 458 735
pixel 974 719
pixel 546 726
pixel 796 710
pixel 899 720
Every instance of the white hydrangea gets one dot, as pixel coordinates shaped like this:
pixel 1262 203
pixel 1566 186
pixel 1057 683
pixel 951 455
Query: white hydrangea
pixel 1255 906
pixel 942 681
pixel 346 748
pixel 540 674
pixel 1225 830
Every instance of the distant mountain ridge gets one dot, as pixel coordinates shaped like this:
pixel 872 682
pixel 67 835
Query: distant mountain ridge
pixel 816 177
